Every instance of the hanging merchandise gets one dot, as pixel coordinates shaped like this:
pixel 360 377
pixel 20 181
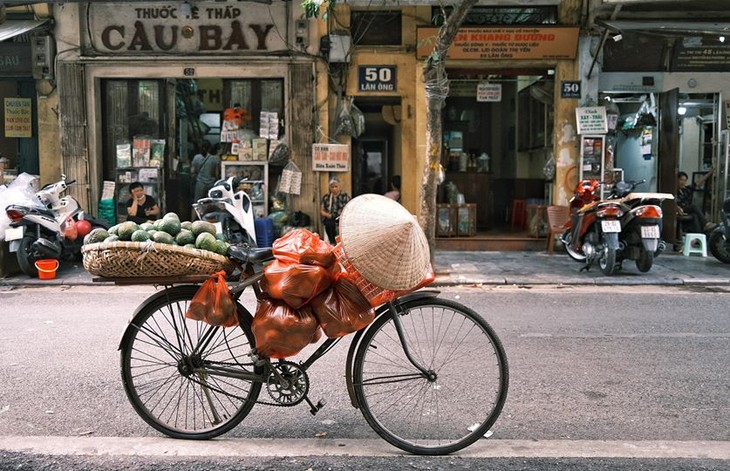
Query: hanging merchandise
pixel 291 179
pixel 279 155
pixel 549 169
pixel 350 120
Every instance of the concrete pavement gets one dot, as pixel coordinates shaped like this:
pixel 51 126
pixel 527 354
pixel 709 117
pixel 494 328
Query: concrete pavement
pixel 505 268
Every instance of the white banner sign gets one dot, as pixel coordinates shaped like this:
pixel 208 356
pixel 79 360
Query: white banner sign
pixel 591 120
pixel 489 92
pixel 330 157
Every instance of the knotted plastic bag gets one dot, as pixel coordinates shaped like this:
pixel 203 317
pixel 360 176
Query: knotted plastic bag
pixel 295 283
pixel 342 309
pixel 281 331
pixel 304 246
pixel 212 303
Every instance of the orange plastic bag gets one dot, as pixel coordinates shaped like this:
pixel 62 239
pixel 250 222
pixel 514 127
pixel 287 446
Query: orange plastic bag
pixel 281 331
pixel 342 309
pixel 295 283
pixel 304 246
pixel 212 303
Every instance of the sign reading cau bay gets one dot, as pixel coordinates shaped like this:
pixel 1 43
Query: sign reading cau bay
pixel 153 28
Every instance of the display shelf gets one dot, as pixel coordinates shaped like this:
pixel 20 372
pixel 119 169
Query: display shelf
pixel 149 177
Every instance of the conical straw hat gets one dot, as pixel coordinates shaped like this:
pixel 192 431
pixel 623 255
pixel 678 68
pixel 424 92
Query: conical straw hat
pixel 384 242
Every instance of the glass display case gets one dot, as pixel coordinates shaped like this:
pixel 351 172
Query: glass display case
pixel 255 177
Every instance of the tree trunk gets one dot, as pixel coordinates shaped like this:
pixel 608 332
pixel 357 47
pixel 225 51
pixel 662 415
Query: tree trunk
pixel 437 89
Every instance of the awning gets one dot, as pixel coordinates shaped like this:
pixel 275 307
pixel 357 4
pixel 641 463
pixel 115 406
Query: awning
pixel 11 28
pixel 666 27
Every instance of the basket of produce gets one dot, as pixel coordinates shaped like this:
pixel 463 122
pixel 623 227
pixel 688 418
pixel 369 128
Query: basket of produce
pixel 164 248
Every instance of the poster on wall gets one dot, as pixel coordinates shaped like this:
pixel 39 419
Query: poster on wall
pixel 591 120
pixel 18 121
pixel 330 157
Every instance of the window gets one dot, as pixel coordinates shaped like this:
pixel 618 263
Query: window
pixel 376 28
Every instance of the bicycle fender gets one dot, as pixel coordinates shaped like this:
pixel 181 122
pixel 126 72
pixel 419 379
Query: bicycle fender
pixel 350 362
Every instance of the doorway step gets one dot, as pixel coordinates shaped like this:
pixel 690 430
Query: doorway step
pixel 490 241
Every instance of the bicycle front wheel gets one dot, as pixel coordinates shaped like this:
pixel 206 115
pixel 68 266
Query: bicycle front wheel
pixel 453 405
pixel 182 376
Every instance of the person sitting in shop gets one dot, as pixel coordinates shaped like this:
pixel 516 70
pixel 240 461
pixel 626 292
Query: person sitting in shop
pixel 394 191
pixel 141 207
pixel 331 208
pixel 686 206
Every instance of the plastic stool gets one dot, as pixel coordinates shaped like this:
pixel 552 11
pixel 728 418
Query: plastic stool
pixel 692 237
pixel 519 214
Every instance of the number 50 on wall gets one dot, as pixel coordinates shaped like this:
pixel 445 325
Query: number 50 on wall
pixel 377 78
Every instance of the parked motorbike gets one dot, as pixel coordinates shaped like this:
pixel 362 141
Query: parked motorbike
pixel 641 224
pixel 53 228
pixel 625 226
pixel 718 242
pixel 231 208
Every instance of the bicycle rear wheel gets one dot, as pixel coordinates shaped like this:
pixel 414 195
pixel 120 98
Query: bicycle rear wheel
pixel 167 363
pixel 453 408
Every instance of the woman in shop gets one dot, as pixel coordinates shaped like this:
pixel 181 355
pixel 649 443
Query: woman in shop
pixel 331 208
pixel 205 169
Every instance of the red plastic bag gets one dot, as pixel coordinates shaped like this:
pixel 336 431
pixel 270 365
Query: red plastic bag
pixel 303 246
pixel 212 303
pixel 281 331
pixel 295 283
pixel 342 309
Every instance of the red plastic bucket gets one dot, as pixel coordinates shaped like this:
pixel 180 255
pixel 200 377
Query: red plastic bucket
pixel 46 268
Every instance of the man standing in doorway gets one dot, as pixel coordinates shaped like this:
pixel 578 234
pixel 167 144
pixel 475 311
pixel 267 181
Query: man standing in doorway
pixel 205 169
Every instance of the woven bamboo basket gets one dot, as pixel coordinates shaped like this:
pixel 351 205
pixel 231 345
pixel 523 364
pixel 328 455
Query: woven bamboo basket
pixel 150 259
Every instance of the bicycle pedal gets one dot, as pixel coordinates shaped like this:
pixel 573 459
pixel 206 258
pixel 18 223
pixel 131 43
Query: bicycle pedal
pixel 313 409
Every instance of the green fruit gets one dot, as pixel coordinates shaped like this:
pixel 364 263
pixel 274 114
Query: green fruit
pixel 113 230
pixel 220 237
pixel 187 225
pixel 140 235
pixel 170 225
pixel 112 238
pixel 146 226
pixel 126 229
pixel 221 247
pixel 171 216
pixel 202 226
pixel 185 237
pixel 151 231
pixel 96 235
pixel 190 246
pixel 157 223
pixel 206 241
pixel 162 237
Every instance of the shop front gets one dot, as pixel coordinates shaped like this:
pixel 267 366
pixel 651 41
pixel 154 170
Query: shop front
pixel 151 82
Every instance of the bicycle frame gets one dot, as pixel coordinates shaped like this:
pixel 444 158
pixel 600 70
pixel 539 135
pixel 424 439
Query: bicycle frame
pixel 392 309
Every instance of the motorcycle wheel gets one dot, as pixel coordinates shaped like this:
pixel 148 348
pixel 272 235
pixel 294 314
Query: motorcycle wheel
pixel 607 261
pixel 26 262
pixel 576 255
pixel 645 261
pixel 718 248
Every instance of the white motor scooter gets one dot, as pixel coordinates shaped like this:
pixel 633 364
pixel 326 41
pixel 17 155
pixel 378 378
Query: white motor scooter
pixel 231 210
pixel 42 230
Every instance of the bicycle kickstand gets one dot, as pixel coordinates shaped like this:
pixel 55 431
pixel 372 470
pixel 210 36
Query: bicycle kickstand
pixel 313 409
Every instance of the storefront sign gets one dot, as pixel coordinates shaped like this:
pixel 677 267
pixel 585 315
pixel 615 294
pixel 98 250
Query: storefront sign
pixel 377 78
pixel 505 43
pixel 591 120
pixel 330 157
pixel 148 28
pixel 15 59
pixel 18 122
pixel 570 89
pixel 699 55
pixel 489 92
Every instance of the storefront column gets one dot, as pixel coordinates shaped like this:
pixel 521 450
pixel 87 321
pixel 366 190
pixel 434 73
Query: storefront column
pixel 566 139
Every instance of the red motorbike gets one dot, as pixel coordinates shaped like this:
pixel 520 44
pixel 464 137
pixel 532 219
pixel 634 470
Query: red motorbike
pixel 592 234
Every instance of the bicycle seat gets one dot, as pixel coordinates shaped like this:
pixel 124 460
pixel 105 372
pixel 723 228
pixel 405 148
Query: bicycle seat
pixel 244 255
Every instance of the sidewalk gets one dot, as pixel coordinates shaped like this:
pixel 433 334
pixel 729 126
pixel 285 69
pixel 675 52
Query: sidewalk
pixel 504 268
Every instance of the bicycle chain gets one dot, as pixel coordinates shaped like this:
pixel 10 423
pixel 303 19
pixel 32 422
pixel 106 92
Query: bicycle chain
pixel 240 398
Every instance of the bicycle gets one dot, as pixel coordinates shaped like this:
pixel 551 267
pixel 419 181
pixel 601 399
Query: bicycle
pixel 420 373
